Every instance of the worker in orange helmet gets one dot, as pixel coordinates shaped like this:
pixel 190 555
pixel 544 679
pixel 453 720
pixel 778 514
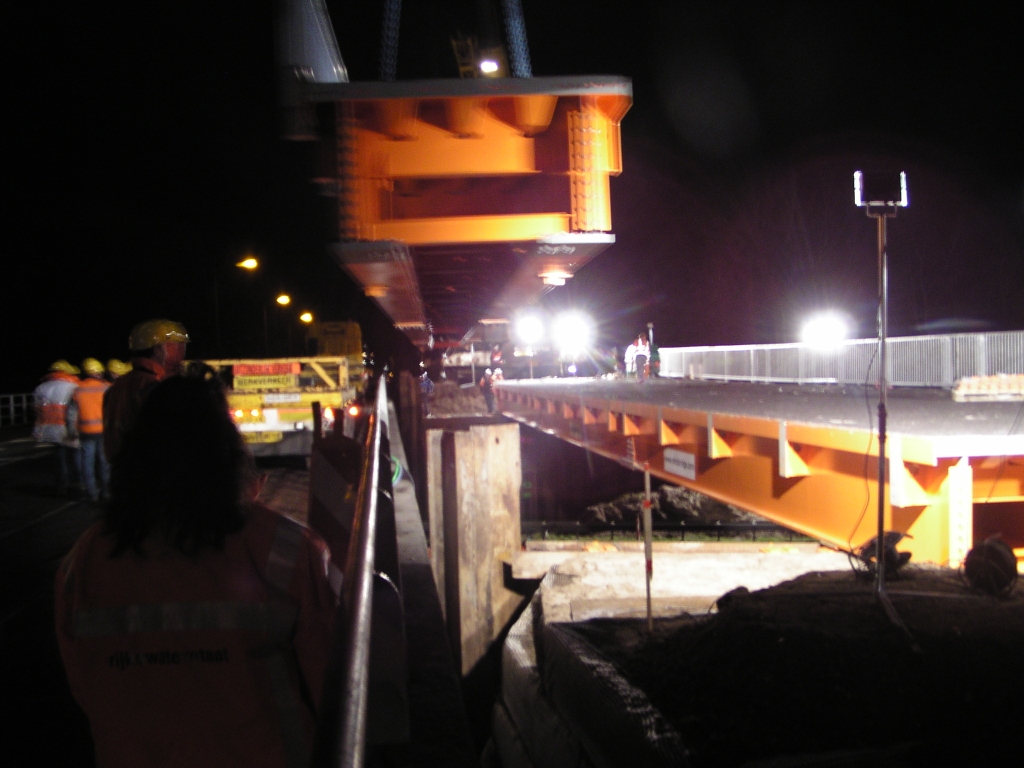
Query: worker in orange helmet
pixel 158 349
pixel 89 421
pixel 193 622
pixel 54 397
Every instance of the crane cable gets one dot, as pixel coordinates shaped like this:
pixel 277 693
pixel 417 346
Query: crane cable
pixel 515 30
pixel 389 40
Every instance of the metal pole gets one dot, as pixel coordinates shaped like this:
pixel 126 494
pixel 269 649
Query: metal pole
pixel 472 362
pixel 883 330
pixel 648 547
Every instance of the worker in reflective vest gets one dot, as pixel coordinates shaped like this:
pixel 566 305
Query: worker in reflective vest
pixel 89 413
pixel 53 398
pixel 158 349
pixel 193 622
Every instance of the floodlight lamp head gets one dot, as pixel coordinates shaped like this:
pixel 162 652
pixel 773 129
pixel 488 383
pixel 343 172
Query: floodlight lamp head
pixel 880 190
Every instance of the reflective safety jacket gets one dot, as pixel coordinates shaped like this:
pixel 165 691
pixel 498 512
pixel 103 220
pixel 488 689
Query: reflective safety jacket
pixel 123 399
pixel 89 399
pixel 216 660
pixel 52 399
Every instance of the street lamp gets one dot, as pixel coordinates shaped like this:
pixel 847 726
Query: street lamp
pixel 306 317
pixel 529 330
pixel 248 263
pixel 572 333
pixel 824 330
pixel 881 194
pixel 284 299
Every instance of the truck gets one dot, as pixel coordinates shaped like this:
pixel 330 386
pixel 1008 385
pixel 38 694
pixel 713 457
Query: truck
pixel 271 400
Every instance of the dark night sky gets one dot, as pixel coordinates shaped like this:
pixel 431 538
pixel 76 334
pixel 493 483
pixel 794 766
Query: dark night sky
pixel 142 160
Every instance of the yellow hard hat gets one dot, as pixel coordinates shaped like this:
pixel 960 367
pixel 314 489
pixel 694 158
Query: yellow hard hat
pixel 63 366
pixel 92 366
pixel 153 332
pixel 118 368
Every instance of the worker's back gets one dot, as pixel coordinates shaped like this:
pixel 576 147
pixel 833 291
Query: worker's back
pixel 193 661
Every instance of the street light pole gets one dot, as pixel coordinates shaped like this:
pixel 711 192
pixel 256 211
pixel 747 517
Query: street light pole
pixel 881 195
pixel 883 413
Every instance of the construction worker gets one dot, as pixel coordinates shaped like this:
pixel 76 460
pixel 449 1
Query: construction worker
pixel 89 417
pixel 487 389
pixel 641 356
pixel 116 369
pixel 158 349
pixel 53 399
pixel 193 622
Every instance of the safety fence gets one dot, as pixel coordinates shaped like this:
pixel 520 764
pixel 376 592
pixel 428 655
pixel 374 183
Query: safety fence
pixel 370 593
pixel 911 361
pixel 16 410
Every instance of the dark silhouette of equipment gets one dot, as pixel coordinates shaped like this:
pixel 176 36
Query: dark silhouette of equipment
pixel 866 560
pixel 991 567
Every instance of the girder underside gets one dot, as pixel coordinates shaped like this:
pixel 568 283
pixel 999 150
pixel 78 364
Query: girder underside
pixel 814 478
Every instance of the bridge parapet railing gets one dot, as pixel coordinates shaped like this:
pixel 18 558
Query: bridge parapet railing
pixel 17 410
pixel 364 703
pixel 912 361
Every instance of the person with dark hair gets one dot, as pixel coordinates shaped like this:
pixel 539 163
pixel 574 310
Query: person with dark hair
pixel 158 349
pixel 194 623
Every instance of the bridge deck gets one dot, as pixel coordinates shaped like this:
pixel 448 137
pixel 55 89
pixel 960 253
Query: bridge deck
pixel 801 454
pixel 924 412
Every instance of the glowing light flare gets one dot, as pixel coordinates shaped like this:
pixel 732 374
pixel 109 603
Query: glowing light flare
pixel 328 413
pixel 529 329
pixel 248 263
pixel 488 66
pixel 353 410
pixel 825 330
pixel 573 333
pixel 284 299
pixel 306 317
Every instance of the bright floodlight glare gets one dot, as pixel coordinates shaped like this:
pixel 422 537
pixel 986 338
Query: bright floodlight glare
pixel 529 329
pixel 284 299
pixel 572 333
pixel 824 330
pixel 249 263
pixel 306 317
pixel 488 66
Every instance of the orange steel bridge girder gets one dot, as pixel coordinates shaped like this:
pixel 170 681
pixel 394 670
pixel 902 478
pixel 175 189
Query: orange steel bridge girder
pixel 820 481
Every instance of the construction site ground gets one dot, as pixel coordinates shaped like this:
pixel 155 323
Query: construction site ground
pixel 799 664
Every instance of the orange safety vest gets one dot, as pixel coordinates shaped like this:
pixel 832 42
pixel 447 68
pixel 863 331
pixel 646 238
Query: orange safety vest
pixel 52 414
pixel 208 661
pixel 89 398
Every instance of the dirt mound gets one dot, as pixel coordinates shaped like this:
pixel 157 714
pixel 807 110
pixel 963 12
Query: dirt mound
pixel 450 399
pixel 814 666
pixel 670 503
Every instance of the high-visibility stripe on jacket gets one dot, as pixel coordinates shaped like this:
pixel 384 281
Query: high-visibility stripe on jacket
pixel 89 398
pixel 208 661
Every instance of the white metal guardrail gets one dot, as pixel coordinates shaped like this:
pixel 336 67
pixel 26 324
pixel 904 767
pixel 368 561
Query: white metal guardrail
pixel 913 361
pixel 16 410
